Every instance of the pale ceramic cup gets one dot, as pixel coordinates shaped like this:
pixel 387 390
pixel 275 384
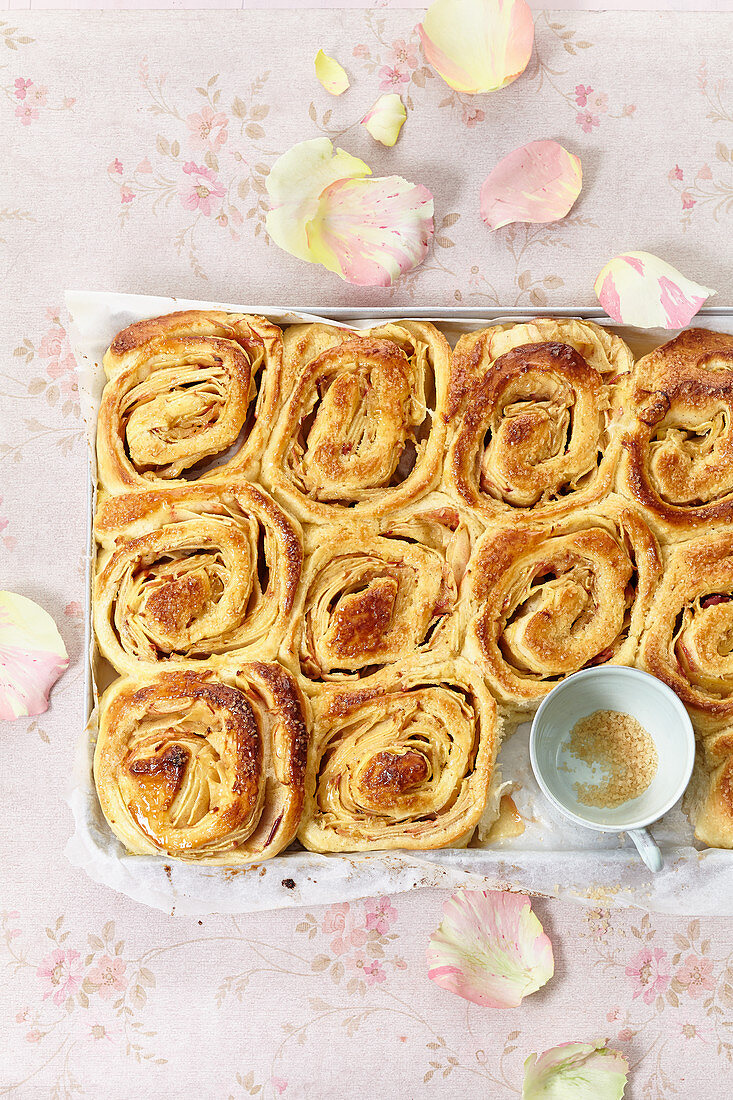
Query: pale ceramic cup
pixel 655 707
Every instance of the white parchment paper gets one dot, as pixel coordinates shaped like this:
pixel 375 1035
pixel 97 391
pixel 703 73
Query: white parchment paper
pixel 552 857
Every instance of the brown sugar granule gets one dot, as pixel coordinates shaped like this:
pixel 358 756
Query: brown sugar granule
pixel 622 747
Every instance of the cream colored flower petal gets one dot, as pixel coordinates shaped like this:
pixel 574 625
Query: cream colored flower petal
pixel 537 183
pixel 575 1071
pixel 637 288
pixel 490 948
pixel 32 656
pixel 331 75
pixel 385 119
pixel 295 184
pixel 368 231
pixel 478 45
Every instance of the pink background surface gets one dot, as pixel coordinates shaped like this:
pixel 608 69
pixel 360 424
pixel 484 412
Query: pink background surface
pixel 100 114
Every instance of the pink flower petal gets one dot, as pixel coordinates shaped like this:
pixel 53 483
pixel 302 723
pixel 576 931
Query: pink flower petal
pixel 478 45
pixel 325 210
pixel 537 183
pixel 637 288
pixel 490 948
pixel 32 656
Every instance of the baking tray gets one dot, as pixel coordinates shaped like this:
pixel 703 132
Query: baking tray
pixel 552 857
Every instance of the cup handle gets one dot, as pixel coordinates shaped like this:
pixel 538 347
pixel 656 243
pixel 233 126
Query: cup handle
pixel 647 848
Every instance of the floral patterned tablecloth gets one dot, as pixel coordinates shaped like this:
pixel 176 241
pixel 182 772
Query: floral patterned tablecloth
pixel 135 149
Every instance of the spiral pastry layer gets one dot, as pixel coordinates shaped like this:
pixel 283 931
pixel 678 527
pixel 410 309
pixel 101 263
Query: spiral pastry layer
pixel 362 431
pixel 183 390
pixel 402 761
pixel 709 797
pixel 531 410
pixel 545 600
pixel 677 458
pixel 689 639
pixel 368 599
pixel 200 767
pixel 191 573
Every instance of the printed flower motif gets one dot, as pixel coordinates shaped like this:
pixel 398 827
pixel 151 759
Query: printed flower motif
pixel 279 1084
pixel 587 121
pixel 207 129
pixel 649 973
pixel 390 78
pixel 687 200
pixel 374 973
pixel 537 183
pixel 705 173
pixel 675 173
pixel 21 87
pixel 628 110
pixel 22 1016
pixel 382 916
pixel 490 948
pixel 109 975
pixel 478 45
pixel 144 166
pixel 637 288
pixel 201 190
pixel 126 194
pixel 74 610
pixel 582 92
pixel 34 1035
pixel 324 210
pixel 361 50
pixel 26 114
pixel 625 1035
pixel 580 1070
pixel 696 975
pixel 37 95
pixel 334 919
pixel 60 972
pixel 598 102
pixel 32 657
pixel 99 1031
pixel 115 166
pixel 471 115
pixel 404 54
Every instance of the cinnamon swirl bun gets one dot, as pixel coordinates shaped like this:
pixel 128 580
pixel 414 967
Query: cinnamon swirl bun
pixel 677 460
pixel 362 431
pixel 688 642
pixel 192 573
pixel 709 798
pixel 183 390
pixel 203 767
pixel 545 600
pixel 401 761
pixel 531 410
pixel 371 597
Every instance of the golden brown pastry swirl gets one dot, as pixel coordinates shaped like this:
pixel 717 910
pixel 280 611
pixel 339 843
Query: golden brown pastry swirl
pixel 530 412
pixel 547 600
pixel 202 767
pixel 369 598
pixel 689 639
pixel 709 798
pixel 678 449
pixel 362 430
pixel 191 573
pixel 183 389
pixel 404 760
